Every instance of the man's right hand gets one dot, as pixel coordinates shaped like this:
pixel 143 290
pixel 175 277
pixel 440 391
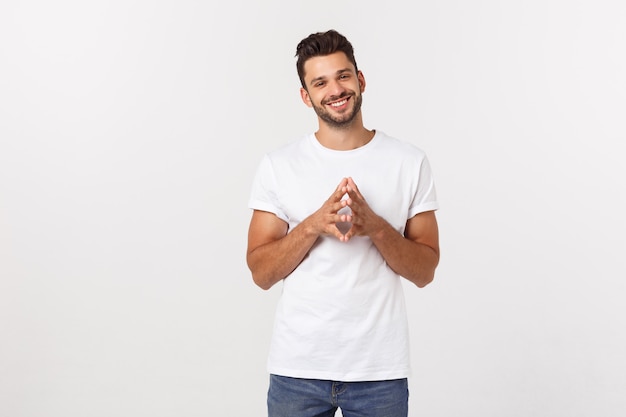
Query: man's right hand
pixel 273 253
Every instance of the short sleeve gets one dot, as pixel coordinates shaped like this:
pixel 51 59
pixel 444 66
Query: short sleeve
pixel 264 194
pixel 425 198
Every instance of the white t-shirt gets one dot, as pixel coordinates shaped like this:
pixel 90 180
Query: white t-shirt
pixel 341 315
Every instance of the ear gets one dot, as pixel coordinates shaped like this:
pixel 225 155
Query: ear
pixel 361 79
pixel 305 97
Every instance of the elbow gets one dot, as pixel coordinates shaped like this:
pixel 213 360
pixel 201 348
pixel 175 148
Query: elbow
pixel 421 279
pixel 263 275
pixel 425 276
pixel 424 280
pixel 262 280
pixel 261 283
pixel 258 277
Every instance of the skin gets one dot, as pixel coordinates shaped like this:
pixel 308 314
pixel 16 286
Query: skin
pixel 273 253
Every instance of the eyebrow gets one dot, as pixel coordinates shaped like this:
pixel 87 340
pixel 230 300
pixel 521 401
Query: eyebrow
pixel 323 77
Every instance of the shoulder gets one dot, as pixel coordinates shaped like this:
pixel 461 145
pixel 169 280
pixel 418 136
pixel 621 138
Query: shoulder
pixel 399 147
pixel 289 149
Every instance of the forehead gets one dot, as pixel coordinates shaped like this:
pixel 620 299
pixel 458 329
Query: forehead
pixel 326 65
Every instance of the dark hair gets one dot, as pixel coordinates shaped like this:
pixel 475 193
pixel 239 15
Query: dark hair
pixel 321 44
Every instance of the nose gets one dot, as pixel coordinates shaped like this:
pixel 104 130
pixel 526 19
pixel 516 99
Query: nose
pixel 335 89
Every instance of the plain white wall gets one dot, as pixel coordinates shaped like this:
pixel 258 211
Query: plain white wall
pixel 129 135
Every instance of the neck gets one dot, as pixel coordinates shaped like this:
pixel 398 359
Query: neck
pixel 345 138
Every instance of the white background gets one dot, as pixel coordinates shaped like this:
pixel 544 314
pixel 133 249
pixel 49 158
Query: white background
pixel 129 135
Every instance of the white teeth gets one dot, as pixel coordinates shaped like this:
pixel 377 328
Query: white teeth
pixel 339 103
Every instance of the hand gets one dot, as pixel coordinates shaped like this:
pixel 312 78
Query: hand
pixel 324 220
pixel 364 221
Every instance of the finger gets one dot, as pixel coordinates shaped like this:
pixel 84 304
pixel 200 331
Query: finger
pixel 339 193
pixel 342 183
pixel 336 197
pixel 337 205
pixel 339 218
pixel 341 189
pixel 336 232
pixel 353 200
pixel 352 184
pixel 348 234
pixel 352 188
pixel 346 202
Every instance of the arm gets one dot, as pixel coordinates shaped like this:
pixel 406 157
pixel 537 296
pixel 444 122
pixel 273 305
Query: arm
pixel 414 255
pixel 273 253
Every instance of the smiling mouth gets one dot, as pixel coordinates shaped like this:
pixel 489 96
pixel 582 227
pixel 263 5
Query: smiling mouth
pixel 339 103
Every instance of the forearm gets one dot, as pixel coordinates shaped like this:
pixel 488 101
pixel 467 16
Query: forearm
pixel 275 260
pixel 412 260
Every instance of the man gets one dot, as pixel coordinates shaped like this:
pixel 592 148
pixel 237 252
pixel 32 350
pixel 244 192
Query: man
pixel 339 216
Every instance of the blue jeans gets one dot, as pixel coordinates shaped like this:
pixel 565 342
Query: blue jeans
pixel 295 397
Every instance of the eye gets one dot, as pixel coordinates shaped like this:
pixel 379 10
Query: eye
pixel 319 84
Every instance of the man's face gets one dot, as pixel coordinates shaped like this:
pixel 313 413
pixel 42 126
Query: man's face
pixel 333 89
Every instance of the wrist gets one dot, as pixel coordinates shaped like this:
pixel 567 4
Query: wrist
pixel 308 228
pixel 381 230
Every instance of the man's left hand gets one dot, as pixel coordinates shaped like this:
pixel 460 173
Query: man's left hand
pixel 364 221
